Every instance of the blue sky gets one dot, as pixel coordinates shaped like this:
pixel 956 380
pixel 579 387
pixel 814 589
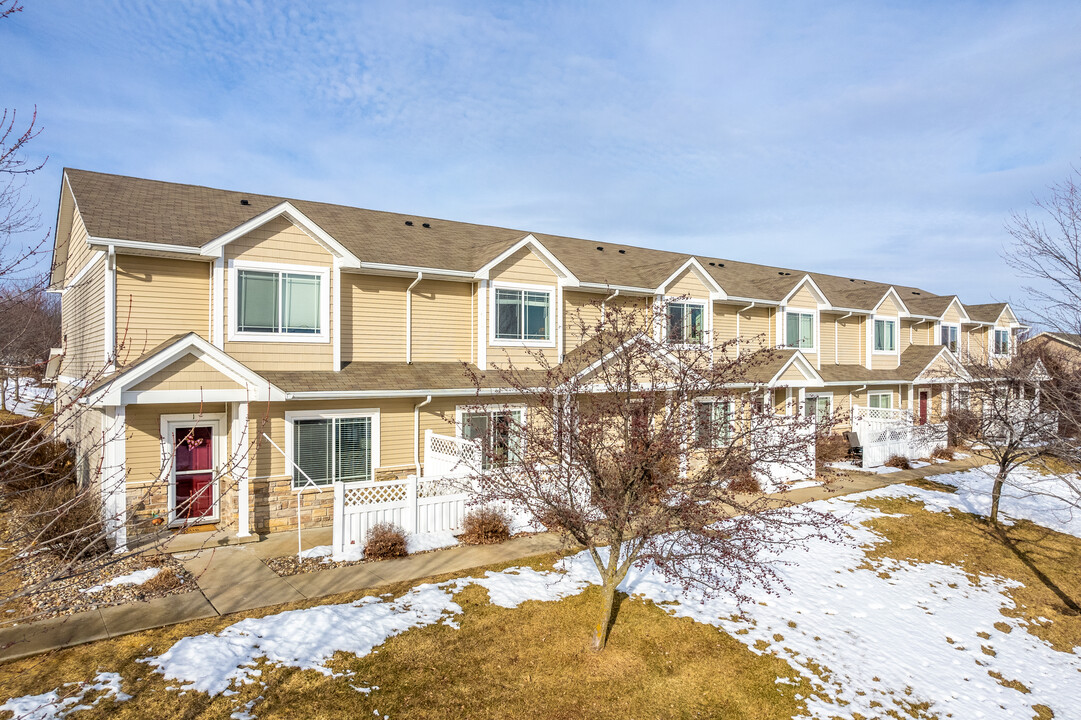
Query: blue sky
pixel 882 140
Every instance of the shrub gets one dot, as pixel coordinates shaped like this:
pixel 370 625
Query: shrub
pixel 745 483
pixel 942 453
pixel 60 519
pixel 31 459
pixel 485 526
pixel 385 541
pixel 167 579
pixel 898 461
pixel 829 447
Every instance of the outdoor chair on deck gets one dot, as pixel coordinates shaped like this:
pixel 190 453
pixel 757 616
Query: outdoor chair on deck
pixel 855 448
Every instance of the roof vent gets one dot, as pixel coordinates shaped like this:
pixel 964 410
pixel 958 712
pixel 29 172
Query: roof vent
pixel 915 293
pixel 601 248
pixel 781 272
pixel 720 264
pixel 622 252
pixel 713 264
pixel 427 225
pixel 244 201
pixel 409 223
pixel 851 279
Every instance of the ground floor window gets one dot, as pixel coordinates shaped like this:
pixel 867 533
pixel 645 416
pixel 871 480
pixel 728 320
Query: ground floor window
pixel 712 423
pixel 882 400
pixel 332 449
pixel 498 431
pixel 819 407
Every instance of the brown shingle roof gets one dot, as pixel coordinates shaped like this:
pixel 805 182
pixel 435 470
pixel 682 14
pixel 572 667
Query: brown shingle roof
pixel 914 360
pixel 987 312
pixel 151 211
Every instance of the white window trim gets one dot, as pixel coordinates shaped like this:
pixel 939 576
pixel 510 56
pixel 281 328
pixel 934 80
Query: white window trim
pixel 707 319
pixel 994 341
pixel 896 320
pixel 782 328
pixel 713 401
pixel 816 395
pixel 219 424
pixel 887 393
pixel 461 410
pixel 938 335
pixel 293 415
pixel 553 298
pixel 323 336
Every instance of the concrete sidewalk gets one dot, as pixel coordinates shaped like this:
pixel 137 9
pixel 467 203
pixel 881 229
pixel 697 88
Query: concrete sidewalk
pixel 233 578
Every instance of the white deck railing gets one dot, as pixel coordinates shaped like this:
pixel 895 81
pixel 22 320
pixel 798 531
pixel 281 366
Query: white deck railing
pixel 447 456
pixel 885 432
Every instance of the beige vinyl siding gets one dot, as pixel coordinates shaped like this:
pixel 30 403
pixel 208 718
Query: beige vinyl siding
pixel 887 308
pixel 525 267
pixel 908 335
pixel 976 343
pixel 373 312
pixel 82 313
pixel 442 321
pixel 688 284
pixel 828 339
pixel 582 313
pixel 187 373
pixel 952 314
pixel 279 241
pixel 849 341
pixel 756 327
pixel 157 298
pixel 79 250
pixel 791 374
pixel 143 445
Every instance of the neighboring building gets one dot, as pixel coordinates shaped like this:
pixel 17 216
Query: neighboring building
pixel 214 316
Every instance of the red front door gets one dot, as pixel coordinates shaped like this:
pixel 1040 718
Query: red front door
pixel 923 407
pixel 193 459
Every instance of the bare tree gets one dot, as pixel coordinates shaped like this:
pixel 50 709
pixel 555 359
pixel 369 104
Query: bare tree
pixel 29 328
pixel 1047 251
pixel 649 453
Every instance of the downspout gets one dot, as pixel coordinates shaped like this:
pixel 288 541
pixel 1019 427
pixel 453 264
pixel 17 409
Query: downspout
pixel 851 396
pixel 409 319
pixel 739 338
pixel 416 432
pixel 604 306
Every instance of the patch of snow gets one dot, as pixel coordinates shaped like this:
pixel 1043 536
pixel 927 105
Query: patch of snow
pixel 135 578
pixel 319 551
pixel 918 463
pixel 31 395
pixel 53 706
pixel 788 487
pixel 885 470
pixel 846 465
pixel 420 542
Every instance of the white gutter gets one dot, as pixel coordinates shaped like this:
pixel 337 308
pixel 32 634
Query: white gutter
pixel 409 319
pixel 416 432
pixel 604 306
pixel 136 245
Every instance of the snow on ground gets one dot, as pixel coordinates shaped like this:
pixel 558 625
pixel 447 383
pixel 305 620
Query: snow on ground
pixel 58 703
pixel 30 396
pixel 421 542
pixel 319 551
pixel 1028 495
pixel 847 465
pixel 135 578
pixel 888 632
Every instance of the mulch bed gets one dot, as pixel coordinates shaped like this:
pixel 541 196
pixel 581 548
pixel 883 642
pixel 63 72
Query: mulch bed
pixel 65 596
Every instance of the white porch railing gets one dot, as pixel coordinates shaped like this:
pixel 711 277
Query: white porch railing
pixel 885 432
pixel 429 504
pixel 446 456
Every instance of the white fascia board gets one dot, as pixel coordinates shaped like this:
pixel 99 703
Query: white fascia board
pixel 138 245
pixel 566 277
pixel 407 270
pixel 897 298
pixel 285 208
pixel 857 383
pixel 803 365
pixel 420 392
pixel 716 292
pixel 623 289
pixel 256 387
pixel 962 374
pixel 757 301
pixel 823 301
pixel 97 255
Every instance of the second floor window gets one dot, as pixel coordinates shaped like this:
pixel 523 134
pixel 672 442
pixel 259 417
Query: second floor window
pixel 277 302
pixel 799 330
pixel 686 323
pixel 522 314
pixel 949 337
pixel 1002 342
pixel 885 335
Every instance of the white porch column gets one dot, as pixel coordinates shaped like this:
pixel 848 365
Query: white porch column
pixel 114 491
pixel 802 400
pixel 240 467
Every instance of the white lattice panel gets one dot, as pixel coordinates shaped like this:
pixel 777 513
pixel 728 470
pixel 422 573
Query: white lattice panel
pixel 376 493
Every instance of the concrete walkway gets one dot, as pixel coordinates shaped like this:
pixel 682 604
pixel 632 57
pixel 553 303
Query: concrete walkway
pixel 233 578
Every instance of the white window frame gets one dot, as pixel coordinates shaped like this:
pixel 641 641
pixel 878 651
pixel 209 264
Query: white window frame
pixel 461 410
pixel 553 309
pixel 896 334
pixel 880 393
pixel 816 396
pixel 994 341
pixel 783 329
pixel 731 418
pixel 938 335
pixel 219 424
pixel 235 335
pixel 293 415
pixel 707 322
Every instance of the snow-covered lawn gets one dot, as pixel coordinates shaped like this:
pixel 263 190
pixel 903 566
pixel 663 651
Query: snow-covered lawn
pixel 869 634
pixel 31 395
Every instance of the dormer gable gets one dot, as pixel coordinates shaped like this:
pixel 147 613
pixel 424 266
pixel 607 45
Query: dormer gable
pixel 286 210
pixel 537 248
pixel 891 304
pixel 672 284
pixel 805 292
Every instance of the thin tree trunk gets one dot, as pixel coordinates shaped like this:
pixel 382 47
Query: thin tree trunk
pixel 610 580
pixel 4 392
pixel 996 494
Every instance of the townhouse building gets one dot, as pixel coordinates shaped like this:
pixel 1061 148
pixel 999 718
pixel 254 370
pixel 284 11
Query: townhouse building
pixel 197 320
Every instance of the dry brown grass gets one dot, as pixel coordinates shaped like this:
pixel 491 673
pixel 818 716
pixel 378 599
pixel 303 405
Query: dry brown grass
pixel 1043 560
pixel 529 662
pixel 927 484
